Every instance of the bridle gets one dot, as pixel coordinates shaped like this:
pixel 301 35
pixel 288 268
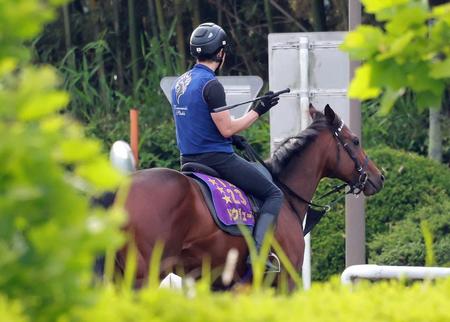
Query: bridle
pixel 354 188
pixel 357 187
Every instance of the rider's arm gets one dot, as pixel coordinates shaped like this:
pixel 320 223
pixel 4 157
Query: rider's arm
pixel 214 95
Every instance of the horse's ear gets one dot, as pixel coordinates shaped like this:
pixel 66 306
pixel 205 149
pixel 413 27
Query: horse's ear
pixel 329 113
pixel 312 111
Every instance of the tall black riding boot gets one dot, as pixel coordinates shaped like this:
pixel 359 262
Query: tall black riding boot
pixel 264 222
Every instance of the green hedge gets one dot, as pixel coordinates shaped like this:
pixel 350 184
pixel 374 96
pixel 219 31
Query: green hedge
pixel 412 182
pixel 324 302
pixel 404 243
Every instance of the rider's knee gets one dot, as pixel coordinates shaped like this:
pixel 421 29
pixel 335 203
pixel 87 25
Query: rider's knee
pixel 277 196
pixel 277 192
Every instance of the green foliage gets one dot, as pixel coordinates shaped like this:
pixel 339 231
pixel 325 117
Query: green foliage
pixel 17 26
pixel 328 237
pixel 95 95
pixel 159 147
pixel 412 182
pixel 258 135
pixel 383 301
pixel 49 235
pixel 405 128
pixel 105 109
pixel 404 243
pixel 11 311
pixel 394 129
pixel 407 52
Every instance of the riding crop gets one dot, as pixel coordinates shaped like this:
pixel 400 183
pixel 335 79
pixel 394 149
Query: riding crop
pixel 229 107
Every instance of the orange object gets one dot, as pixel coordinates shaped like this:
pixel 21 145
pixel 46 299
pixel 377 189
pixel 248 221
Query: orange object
pixel 134 133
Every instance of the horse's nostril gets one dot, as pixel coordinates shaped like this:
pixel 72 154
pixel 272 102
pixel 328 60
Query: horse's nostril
pixel 382 177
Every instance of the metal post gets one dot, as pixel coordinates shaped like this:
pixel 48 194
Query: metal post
pixel 304 112
pixel 355 228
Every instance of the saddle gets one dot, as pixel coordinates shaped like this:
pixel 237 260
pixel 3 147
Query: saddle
pixel 229 206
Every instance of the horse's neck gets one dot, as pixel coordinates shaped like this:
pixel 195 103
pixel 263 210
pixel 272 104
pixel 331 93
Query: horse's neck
pixel 303 173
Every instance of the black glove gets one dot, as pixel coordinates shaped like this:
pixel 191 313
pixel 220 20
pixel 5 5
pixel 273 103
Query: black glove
pixel 266 103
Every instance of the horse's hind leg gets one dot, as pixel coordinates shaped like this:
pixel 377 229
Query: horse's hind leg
pixel 141 272
pixel 158 204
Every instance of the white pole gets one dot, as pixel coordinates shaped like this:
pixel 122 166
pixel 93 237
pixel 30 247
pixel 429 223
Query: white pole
pixel 304 112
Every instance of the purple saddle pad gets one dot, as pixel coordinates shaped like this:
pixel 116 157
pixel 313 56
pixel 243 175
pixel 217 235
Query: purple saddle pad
pixel 231 204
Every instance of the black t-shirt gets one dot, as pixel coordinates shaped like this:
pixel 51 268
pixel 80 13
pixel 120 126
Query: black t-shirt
pixel 214 94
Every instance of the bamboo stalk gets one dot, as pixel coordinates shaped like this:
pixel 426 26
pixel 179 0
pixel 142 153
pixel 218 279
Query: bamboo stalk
pixel 195 9
pixel 163 33
pixel 152 18
pixel 268 13
pixel 133 44
pixel 116 25
pixel 67 33
pixel 219 12
pixel 318 13
pixel 96 22
pixel 179 8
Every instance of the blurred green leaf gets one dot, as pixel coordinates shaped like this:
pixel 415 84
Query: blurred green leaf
pixel 397 46
pixel 441 69
pixel 379 5
pixel 388 99
pixel 51 102
pixel 408 52
pixel 409 18
pixel 79 149
pixel 361 86
pixel 363 42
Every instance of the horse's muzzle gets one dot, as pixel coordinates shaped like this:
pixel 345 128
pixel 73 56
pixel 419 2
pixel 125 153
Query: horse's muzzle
pixel 373 184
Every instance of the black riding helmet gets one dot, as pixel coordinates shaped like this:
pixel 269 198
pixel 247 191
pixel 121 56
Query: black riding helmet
pixel 206 41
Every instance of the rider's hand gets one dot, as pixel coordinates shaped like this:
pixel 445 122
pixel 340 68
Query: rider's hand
pixel 266 103
pixel 238 141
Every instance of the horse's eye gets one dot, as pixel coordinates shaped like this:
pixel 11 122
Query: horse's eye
pixel 356 141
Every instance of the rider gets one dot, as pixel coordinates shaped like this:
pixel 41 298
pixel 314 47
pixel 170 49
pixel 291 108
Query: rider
pixel 205 137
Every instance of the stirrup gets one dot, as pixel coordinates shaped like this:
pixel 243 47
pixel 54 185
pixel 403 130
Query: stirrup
pixel 273 264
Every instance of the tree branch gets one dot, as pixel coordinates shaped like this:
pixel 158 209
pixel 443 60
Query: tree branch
pixel 287 15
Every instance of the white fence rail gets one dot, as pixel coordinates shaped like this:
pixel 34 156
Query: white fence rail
pixel 374 272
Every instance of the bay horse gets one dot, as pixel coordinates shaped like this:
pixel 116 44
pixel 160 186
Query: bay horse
pixel 165 205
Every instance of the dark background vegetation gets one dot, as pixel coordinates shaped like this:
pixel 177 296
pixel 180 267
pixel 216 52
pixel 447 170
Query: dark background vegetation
pixel 112 55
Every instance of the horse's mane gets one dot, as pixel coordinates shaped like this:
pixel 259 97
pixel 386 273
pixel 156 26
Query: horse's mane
pixel 296 144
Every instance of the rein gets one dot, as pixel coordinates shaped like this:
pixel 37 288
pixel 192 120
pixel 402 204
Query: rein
pixel 313 216
pixel 355 188
pixel 241 143
pixel 326 208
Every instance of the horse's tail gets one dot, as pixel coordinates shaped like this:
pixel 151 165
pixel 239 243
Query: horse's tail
pixel 105 201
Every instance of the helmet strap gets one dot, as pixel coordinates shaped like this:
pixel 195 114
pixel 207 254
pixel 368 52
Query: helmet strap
pixel 218 59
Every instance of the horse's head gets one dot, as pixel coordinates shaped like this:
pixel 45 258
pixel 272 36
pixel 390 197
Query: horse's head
pixel 347 160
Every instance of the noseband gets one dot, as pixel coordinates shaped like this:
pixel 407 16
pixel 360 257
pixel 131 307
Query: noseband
pixel 357 187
